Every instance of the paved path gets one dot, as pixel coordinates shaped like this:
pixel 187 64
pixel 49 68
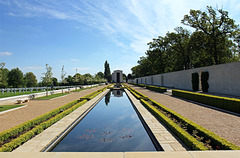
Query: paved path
pixel 38 107
pixel 221 123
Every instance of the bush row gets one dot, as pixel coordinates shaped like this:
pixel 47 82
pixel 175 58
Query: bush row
pixel 225 103
pixel 188 139
pixel 39 124
pixel 154 88
pixel 157 89
pixel 13 132
pixel 38 129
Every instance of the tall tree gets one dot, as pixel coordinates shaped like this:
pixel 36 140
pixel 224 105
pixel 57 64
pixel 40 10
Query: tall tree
pixel 47 79
pixel 107 72
pixel 218 28
pixel 63 74
pixel 15 78
pixel 30 79
pixel 3 76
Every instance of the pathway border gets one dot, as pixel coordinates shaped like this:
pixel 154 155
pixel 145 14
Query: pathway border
pixel 47 137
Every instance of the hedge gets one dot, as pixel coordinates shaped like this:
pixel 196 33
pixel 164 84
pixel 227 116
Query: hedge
pixel 225 103
pixel 40 123
pixel 157 89
pixel 189 140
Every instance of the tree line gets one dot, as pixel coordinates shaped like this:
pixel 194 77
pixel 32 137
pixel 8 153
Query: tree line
pixel 216 40
pixel 15 78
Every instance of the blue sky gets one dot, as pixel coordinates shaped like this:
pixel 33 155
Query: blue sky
pixel 83 34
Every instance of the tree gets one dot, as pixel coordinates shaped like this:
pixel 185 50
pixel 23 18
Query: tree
pixel 55 81
pixel 100 74
pixel 218 28
pixel 69 80
pixel 30 79
pixel 15 78
pixel 63 74
pixel 3 76
pixel 107 72
pixel 88 78
pixel 47 79
pixel 78 79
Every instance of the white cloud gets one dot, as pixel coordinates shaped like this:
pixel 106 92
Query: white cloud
pixel 131 24
pixel 5 53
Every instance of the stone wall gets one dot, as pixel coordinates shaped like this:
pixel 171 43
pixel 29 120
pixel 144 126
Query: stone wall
pixel 223 79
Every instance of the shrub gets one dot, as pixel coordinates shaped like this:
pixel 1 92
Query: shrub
pixel 204 81
pixel 195 81
pixel 157 89
pixel 225 103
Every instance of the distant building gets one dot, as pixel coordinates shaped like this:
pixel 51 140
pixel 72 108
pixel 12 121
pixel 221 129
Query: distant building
pixel 117 76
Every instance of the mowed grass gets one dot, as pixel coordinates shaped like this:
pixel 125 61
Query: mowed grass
pixel 17 93
pixel 83 89
pixel 51 96
pixel 8 107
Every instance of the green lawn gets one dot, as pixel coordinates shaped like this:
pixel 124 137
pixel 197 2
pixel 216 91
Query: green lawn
pixel 7 107
pixel 83 89
pixel 17 93
pixel 51 96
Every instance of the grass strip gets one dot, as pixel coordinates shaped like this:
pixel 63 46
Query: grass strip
pixel 12 138
pixel 8 107
pixel 5 95
pixel 51 96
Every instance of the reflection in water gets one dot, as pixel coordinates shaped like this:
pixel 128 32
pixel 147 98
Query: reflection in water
pixel 113 128
pixel 117 93
pixel 107 98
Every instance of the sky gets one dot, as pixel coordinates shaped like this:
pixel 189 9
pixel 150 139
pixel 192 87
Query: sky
pixel 82 34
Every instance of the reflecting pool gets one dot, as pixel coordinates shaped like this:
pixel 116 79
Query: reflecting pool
pixel 111 126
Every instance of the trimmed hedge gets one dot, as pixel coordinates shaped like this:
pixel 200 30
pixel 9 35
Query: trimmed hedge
pixel 225 103
pixel 37 129
pixel 39 123
pixel 215 139
pixel 157 89
pixel 189 140
pixel 195 81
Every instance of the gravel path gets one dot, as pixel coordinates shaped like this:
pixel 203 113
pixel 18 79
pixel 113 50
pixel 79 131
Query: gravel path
pixel 223 124
pixel 38 107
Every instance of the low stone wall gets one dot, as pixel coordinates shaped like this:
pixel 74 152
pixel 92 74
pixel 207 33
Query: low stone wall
pixel 223 79
pixel 13 100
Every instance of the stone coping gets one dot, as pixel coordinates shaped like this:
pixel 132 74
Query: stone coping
pixel 160 154
pixel 47 137
pixel 167 140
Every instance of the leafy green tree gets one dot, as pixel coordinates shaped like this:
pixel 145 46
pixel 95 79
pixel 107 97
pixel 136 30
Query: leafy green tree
pixel 107 72
pixel 47 79
pixel 55 81
pixel 88 78
pixel 69 80
pixel 3 76
pixel 30 79
pixel 78 79
pixel 218 28
pixel 63 74
pixel 100 74
pixel 15 78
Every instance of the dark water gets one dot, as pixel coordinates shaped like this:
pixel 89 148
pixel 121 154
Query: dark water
pixel 111 126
